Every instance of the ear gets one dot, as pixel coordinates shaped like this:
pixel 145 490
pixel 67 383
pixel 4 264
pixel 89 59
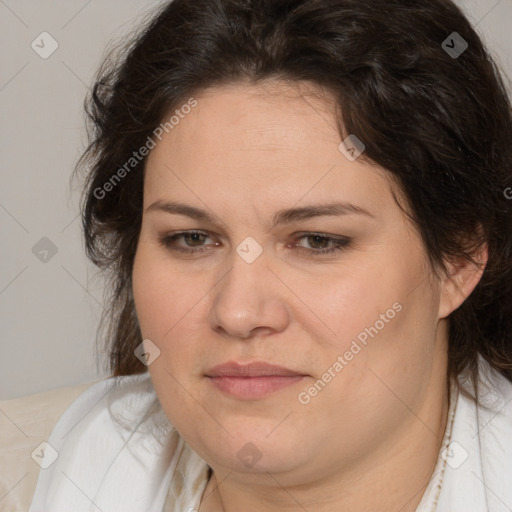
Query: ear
pixel 460 280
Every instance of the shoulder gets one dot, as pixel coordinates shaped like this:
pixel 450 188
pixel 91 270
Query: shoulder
pixel 494 431
pixel 25 423
pixel 483 433
pixel 494 402
pixel 113 439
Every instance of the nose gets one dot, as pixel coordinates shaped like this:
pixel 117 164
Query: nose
pixel 248 301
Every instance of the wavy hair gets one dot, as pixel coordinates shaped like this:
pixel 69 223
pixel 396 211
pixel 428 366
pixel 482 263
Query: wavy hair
pixel 439 123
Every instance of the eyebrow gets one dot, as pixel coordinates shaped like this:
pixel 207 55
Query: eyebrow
pixel 281 217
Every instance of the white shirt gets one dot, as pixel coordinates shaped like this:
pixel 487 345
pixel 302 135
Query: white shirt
pixel 117 452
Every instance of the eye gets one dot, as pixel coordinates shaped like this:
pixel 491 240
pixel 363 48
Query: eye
pixel 321 243
pixel 194 241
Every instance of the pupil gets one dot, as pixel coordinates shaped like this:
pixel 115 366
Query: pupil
pixel 195 237
pixel 318 239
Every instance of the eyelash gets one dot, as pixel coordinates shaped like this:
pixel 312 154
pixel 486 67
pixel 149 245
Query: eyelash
pixel 340 243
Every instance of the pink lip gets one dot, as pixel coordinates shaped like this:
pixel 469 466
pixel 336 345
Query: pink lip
pixel 252 381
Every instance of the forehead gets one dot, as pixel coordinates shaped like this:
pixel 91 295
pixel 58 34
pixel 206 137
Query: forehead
pixel 270 141
pixel 270 116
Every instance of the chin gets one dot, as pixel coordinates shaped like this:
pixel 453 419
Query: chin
pixel 250 448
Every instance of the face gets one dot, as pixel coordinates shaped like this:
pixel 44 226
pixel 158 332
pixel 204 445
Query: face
pixel 289 297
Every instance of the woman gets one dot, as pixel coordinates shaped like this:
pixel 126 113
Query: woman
pixel 302 208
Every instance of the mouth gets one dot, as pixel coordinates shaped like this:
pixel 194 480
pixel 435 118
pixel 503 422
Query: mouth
pixel 252 381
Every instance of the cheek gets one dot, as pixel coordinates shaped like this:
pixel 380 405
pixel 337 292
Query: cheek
pixel 171 307
pixel 375 359
pixel 162 300
pixel 162 297
pixel 387 342
pixel 348 301
pixel 149 285
pixel 380 316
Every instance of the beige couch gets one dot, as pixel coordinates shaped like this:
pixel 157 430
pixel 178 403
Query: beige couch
pixel 24 424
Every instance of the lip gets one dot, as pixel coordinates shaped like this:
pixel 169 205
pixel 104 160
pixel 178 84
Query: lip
pixel 254 369
pixel 252 381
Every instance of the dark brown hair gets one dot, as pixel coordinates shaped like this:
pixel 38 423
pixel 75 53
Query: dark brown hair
pixel 439 123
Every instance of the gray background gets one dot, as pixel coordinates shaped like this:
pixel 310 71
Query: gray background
pixel 50 303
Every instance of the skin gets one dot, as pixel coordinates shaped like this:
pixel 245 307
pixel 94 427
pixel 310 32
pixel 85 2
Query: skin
pixel 369 440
